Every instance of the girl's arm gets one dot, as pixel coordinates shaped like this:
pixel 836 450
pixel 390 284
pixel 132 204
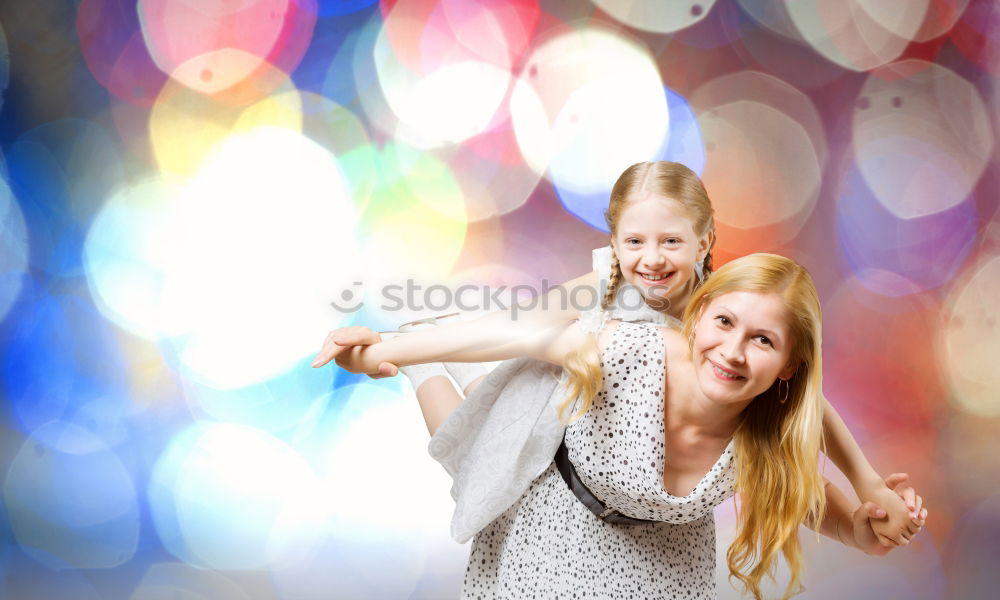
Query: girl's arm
pixel 458 342
pixel 556 308
pixel 844 451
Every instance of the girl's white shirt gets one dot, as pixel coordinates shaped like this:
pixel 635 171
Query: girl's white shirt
pixel 628 305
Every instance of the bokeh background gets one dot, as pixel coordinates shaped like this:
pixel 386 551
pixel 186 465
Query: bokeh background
pixel 190 188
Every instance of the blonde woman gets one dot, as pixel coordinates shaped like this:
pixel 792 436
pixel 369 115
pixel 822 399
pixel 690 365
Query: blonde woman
pixel 666 424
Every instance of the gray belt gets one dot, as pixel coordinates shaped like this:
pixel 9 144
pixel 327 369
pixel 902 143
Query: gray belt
pixel 608 515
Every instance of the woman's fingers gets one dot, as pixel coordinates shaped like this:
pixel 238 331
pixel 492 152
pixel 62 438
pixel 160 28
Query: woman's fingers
pixel 909 497
pixel 386 370
pixel 918 506
pixel 919 519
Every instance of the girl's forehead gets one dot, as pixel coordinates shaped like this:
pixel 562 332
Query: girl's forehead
pixel 654 212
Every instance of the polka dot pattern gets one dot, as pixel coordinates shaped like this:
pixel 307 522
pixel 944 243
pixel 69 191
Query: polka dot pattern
pixel 549 545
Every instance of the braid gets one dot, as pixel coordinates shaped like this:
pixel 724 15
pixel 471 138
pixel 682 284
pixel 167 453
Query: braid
pixel 707 263
pixel 613 282
pixel 584 363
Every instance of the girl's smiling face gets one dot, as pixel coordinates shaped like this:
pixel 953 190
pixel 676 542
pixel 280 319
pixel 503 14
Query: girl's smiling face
pixel 657 248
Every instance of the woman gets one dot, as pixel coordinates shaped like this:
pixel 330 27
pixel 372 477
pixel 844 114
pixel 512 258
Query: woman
pixel 666 426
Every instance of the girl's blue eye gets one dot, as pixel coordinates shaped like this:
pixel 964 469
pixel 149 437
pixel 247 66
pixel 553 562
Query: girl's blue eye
pixel 673 241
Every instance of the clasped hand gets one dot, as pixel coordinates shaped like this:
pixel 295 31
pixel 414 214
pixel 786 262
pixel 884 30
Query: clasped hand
pixel 345 345
pixel 876 531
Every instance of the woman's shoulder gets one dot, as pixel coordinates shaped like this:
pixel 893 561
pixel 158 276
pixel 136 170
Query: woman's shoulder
pixel 668 329
pixel 671 337
pixel 675 344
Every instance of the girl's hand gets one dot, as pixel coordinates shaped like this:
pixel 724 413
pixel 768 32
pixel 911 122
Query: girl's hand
pixel 902 507
pixel 339 344
pixel 863 529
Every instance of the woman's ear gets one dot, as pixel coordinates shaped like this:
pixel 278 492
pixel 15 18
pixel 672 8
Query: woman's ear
pixel 789 371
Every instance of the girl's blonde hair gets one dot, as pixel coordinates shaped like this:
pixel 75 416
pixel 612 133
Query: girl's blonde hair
pixel 780 433
pixel 669 180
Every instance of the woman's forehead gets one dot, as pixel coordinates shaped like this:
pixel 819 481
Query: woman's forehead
pixel 759 309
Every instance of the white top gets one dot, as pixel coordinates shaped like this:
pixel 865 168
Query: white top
pixel 549 545
pixel 628 305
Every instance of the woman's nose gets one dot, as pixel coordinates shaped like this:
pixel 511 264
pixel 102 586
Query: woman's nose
pixel 732 350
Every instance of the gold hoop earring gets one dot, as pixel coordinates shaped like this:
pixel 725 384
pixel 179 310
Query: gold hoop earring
pixel 787 386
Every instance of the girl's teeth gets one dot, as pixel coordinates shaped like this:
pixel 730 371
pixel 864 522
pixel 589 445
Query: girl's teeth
pixel 652 278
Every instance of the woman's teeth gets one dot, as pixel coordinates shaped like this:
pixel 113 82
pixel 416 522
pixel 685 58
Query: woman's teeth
pixel 725 374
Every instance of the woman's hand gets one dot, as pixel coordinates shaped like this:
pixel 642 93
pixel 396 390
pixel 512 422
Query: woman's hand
pixel 862 530
pixel 875 532
pixel 343 344
pixel 902 507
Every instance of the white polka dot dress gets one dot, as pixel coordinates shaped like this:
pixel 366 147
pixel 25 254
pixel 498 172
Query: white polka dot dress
pixel 549 545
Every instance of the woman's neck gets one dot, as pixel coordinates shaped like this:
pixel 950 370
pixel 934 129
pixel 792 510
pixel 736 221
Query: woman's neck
pixel 692 409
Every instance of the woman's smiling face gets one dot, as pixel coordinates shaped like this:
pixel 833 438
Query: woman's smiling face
pixel 657 248
pixel 742 343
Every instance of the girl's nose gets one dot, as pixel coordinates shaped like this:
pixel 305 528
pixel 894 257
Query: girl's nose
pixel 653 257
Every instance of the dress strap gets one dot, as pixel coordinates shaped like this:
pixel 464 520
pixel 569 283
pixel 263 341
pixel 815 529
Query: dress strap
pixel 608 515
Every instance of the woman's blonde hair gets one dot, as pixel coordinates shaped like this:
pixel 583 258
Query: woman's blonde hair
pixel 779 436
pixel 669 180
pixel 778 439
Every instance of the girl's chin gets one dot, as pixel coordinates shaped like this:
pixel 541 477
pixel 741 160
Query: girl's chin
pixel 657 299
pixel 657 292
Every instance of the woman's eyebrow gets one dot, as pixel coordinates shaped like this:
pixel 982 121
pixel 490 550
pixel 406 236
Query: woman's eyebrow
pixel 769 333
pixel 763 330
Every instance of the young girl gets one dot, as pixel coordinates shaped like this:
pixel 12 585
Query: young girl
pixel 680 421
pixel 662 233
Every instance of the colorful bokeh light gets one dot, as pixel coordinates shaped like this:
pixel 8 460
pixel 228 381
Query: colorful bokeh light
pixel 193 193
